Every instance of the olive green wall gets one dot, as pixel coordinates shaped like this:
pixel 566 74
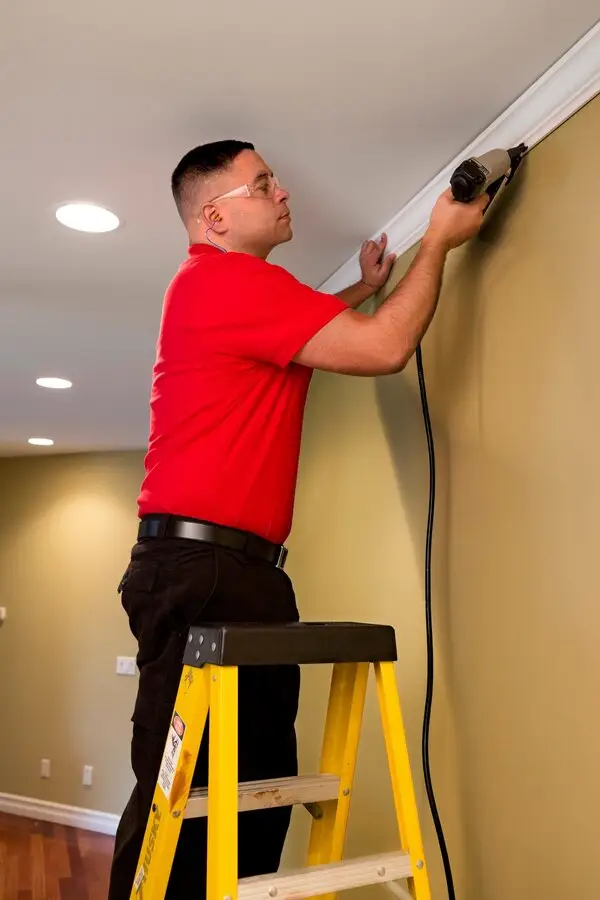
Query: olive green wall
pixel 65 533
pixel 513 376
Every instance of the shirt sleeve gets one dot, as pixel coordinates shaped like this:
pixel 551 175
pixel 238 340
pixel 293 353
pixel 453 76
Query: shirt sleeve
pixel 264 313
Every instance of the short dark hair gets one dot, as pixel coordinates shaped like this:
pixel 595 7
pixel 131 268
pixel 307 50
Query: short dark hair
pixel 200 162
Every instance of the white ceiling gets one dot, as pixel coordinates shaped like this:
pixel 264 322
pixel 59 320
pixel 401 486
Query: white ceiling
pixel 356 107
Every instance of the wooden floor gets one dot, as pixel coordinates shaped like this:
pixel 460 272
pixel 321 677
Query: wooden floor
pixel 41 861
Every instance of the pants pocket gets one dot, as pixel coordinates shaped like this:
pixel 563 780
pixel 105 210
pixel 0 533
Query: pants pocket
pixel 138 593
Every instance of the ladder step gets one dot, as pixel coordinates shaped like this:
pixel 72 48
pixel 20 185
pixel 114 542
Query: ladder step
pixel 266 794
pixel 325 879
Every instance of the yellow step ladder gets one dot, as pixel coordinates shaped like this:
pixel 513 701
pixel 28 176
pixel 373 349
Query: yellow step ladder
pixel 209 680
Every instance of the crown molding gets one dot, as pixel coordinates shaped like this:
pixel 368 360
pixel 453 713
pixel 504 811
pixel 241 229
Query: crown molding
pixel 559 93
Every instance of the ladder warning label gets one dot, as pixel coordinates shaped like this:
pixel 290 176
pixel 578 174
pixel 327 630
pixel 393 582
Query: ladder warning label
pixel 171 754
pixel 139 879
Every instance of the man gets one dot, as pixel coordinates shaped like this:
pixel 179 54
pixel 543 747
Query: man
pixel 238 341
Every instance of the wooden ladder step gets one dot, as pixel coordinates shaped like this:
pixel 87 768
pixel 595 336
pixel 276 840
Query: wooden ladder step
pixel 315 880
pixel 267 794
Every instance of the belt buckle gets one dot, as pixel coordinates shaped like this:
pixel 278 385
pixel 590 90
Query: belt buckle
pixel 281 558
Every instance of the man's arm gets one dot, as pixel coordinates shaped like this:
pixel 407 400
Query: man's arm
pixel 355 344
pixel 356 293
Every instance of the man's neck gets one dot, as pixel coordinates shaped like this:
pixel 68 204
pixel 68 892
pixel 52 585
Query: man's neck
pixel 228 246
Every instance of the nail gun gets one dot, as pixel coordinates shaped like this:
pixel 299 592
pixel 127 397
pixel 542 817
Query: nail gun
pixel 488 172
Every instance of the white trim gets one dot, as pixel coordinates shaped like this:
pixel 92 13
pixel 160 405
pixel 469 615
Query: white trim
pixel 567 86
pixel 45 811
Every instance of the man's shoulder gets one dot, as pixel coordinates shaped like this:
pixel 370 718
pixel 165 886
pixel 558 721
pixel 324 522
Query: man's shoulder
pixel 194 277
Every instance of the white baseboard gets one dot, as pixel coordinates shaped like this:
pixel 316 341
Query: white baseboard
pixel 45 811
pixel 560 92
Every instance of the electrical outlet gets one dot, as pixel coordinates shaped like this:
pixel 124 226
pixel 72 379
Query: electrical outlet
pixel 87 776
pixel 2 614
pixel 125 665
pixel 45 768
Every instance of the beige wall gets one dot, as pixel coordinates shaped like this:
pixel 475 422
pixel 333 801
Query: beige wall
pixel 512 371
pixel 66 527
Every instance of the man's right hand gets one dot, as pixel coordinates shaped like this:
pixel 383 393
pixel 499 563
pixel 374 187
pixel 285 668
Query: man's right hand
pixel 452 223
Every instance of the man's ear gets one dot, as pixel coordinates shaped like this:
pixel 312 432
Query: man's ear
pixel 211 217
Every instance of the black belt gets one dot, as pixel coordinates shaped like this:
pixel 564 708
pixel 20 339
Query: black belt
pixel 163 526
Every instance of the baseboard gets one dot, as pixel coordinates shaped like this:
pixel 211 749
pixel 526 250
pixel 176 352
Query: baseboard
pixel 560 92
pixel 59 813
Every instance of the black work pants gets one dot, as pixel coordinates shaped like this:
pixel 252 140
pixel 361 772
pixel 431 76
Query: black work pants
pixel 169 585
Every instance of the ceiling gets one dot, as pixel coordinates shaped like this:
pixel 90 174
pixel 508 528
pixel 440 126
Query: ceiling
pixel 354 107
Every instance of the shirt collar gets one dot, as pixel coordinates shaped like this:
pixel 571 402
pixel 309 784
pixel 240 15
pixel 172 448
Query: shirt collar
pixel 202 250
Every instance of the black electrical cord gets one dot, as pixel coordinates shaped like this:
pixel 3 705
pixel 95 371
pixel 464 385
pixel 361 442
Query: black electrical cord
pixel 429 629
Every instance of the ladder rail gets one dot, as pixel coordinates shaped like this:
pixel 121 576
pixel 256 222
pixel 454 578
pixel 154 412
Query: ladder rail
pixel 221 873
pixel 182 746
pixel 403 791
pixel 338 755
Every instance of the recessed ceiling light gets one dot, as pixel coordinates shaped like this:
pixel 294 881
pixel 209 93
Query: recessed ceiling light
pixel 56 383
pixel 41 442
pixel 87 217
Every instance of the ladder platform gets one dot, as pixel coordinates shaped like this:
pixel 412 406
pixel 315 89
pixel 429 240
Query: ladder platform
pixel 267 794
pixel 296 643
pixel 324 879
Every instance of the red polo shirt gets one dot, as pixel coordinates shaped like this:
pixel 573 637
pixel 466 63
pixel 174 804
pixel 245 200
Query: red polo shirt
pixel 227 402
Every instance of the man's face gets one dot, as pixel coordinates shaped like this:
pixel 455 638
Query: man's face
pixel 256 223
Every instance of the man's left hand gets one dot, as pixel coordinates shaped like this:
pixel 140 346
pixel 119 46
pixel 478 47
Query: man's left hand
pixel 375 266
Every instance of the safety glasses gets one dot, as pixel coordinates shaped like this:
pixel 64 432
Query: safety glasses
pixel 265 186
